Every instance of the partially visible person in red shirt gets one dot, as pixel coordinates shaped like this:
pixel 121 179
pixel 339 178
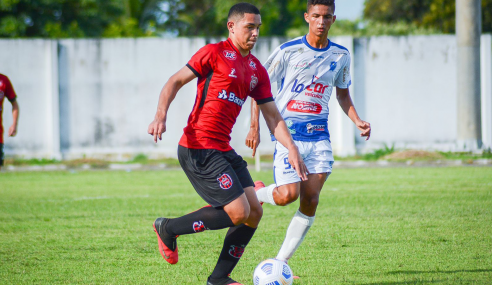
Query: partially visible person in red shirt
pixel 7 91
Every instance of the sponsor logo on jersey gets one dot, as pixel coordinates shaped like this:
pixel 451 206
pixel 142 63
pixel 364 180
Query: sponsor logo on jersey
pixel 319 56
pixel 233 73
pixel 231 55
pixel 236 251
pixel 303 65
pixel 345 73
pixel 304 107
pixel 225 181
pixel 198 227
pixel 231 97
pixel 252 64
pixel 314 128
pixel 313 88
pixel 289 124
pixel 253 83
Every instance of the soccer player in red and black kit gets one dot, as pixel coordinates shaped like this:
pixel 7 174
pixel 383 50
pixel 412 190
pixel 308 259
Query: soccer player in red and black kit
pixel 227 74
pixel 7 91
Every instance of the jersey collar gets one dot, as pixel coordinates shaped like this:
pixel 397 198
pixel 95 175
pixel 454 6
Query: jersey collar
pixel 229 41
pixel 304 40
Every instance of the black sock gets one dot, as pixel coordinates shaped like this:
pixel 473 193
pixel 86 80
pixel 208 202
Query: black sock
pixel 236 240
pixel 207 218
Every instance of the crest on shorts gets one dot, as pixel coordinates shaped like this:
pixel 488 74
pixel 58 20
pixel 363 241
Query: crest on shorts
pixel 231 55
pixel 254 81
pixel 225 181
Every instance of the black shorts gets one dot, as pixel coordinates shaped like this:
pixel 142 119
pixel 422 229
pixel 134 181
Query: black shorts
pixel 1 154
pixel 218 177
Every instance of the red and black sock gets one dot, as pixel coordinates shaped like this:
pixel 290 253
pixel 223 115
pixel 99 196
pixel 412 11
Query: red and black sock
pixel 235 242
pixel 207 218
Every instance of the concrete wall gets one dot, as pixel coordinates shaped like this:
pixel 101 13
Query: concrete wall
pixel 97 97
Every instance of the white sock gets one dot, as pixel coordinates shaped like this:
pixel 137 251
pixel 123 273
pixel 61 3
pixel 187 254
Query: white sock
pixel 296 232
pixel 265 194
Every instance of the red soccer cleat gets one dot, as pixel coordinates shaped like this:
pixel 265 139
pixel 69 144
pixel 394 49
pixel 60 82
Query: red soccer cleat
pixel 258 186
pixel 168 247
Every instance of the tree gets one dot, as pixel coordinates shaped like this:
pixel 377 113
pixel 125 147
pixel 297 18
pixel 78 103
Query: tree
pixel 432 14
pixel 73 18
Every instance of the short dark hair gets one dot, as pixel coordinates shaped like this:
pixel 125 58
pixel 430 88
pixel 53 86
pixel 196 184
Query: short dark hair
pixel 329 3
pixel 242 8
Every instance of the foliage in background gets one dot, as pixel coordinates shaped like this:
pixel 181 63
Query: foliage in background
pixel 431 14
pixel 77 19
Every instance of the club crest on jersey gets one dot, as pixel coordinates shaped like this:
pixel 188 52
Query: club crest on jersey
pixel 198 227
pixel 333 65
pixel 233 73
pixel 231 55
pixel 252 64
pixel 236 251
pixel 225 181
pixel 253 83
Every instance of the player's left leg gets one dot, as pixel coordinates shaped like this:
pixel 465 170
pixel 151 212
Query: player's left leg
pixel 238 237
pixel 304 217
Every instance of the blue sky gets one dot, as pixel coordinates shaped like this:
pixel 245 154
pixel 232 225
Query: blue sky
pixel 349 9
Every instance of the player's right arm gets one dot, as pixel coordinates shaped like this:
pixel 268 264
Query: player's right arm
pixel 168 93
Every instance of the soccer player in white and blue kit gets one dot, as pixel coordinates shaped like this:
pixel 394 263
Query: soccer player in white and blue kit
pixel 306 70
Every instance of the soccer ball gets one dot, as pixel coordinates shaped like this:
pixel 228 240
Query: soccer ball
pixel 273 272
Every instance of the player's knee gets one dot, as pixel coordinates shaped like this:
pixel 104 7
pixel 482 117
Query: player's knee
pixel 286 197
pixel 239 216
pixel 310 202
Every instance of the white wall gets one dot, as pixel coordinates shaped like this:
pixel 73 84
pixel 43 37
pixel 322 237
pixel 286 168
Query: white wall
pixel 97 97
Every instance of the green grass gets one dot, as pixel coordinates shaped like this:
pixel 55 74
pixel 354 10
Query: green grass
pixel 373 226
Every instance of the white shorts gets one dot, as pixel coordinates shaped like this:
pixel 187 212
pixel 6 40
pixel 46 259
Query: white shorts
pixel 317 156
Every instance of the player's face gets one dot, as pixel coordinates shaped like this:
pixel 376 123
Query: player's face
pixel 320 18
pixel 245 31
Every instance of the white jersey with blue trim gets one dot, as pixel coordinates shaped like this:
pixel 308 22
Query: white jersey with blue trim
pixel 305 78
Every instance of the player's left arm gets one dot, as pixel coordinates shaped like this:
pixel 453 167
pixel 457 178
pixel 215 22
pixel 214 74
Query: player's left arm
pixel 279 129
pixel 15 116
pixel 345 101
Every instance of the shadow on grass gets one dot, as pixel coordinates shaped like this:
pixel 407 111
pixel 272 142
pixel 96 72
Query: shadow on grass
pixel 404 282
pixel 438 271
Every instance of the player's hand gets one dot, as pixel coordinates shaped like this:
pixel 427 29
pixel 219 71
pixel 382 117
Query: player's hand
pixel 297 163
pixel 253 139
pixel 365 129
pixel 157 127
pixel 12 130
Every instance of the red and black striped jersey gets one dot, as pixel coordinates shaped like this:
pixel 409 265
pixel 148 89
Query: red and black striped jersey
pixel 225 80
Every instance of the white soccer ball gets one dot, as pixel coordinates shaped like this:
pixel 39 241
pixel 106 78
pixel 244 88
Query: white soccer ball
pixel 273 272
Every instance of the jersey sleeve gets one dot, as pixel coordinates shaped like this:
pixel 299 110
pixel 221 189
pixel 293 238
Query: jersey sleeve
pixel 262 92
pixel 275 65
pixel 9 91
pixel 203 61
pixel 344 80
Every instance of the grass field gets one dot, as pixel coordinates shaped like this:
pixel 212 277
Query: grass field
pixel 373 226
